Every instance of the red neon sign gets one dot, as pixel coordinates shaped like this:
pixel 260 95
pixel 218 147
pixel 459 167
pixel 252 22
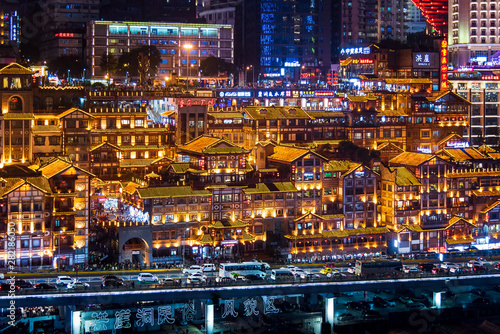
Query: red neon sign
pixel 444 64
pixel 65 34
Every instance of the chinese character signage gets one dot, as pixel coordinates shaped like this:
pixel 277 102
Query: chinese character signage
pixel 355 51
pixel 425 60
pixel 444 65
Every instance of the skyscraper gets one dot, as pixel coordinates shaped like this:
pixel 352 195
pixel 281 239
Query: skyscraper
pixel 474 31
pixel 284 39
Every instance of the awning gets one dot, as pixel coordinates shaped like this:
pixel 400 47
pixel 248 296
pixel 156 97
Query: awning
pixel 459 241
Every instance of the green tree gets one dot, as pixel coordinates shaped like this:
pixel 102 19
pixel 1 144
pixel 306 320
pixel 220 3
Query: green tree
pixel 212 66
pixel 109 64
pixel 62 64
pixel 141 62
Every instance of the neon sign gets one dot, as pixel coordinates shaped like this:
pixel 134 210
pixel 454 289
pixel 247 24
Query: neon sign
pixel 444 64
pixel 355 51
pixel 424 150
pixel 65 34
pixel 460 144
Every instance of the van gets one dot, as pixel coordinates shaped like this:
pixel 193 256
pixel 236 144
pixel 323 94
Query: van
pixel 281 275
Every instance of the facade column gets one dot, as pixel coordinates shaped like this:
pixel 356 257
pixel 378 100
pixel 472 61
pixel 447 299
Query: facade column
pixel 436 299
pixel 330 310
pixel 209 317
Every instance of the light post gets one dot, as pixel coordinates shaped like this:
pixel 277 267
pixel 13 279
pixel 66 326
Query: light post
pixel 188 48
pixel 253 72
pixel 59 258
pixel 68 76
pixel 184 248
pixel 296 232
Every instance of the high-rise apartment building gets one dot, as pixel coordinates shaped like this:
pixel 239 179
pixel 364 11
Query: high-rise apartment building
pixel 64 34
pixel 473 37
pixel 415 19
pixel 282 39
pixel 9 20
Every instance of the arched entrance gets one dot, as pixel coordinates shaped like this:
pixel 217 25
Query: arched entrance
pixel 135 250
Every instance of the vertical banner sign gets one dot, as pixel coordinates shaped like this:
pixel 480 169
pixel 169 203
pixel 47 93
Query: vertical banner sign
pixel 444 65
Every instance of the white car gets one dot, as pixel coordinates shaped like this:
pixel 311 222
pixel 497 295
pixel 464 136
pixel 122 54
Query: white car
pixel 208 267
pixel 64 280
pixel 473 263
pixel 351 270
pixel 196 278
pixel 78 285
pixel 310 275
pixel 298 272
pixel 410 270
pixel 192 270
pixel 449 265
pixel 336 274
pixel 147 278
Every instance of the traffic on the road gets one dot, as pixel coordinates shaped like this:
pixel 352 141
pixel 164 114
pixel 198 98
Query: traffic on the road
pixel 254 272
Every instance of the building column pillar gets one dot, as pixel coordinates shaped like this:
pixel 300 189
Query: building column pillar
pixel 209 317
pixel 436 299
pixel 330 310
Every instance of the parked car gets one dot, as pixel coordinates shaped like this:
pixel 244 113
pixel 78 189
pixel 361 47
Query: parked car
pixel 310 275
pixel 44 286
pixel 64 280
pixel 411 270
pixel 473 263
pixel 147 278
pixel 7 287
pixel 78 285
pixel 415 306
pixel 449 295
pixel 336 274
pixel 380 302
pixel 192 270
pixel 478 292
pixel 371 313
pixel 326 271
pixel 252 278
pixel 345 317
pixel 112 283
pixel 480 301
pixel 359 306
pixel 449 265
pixel 195 279
pixel 208 267
pixel 170 281
pixel 23 284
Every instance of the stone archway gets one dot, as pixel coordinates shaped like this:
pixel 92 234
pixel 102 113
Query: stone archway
pixel 135 250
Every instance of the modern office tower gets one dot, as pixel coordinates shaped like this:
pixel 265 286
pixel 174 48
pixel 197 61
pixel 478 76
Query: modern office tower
pixel 64 33
pixel 116 38
pixel 415 19
pixel 282 39
pixel 359 22
pixel 436 13
pixel 219 11
pixel 9 21
pixel 473 37
pixel 392 17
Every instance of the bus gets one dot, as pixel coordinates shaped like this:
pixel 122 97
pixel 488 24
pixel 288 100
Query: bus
pixel 377 267
pixel 240 270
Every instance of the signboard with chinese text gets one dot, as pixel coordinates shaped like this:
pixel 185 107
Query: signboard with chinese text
pixel 425 60
pixel 444 65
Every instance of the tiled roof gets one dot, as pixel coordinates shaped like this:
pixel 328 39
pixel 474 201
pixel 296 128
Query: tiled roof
pixel 460 241
pixel 486 149
pixel 404 177
pixel 152 175
pixel 131 187
pixel 387 145
pixel 490 207
pixel 337 166
pixel 248 237
pixel 485 193
pixel 39 182
pixel 342 233
pixel 275 187
pixel 411 158
pixel 179 167
pixel 451 222
pixel 352 168
pixel 225 115
pixel 142 147
pixel 107 144
pixel 494 155
pixel 473 173
pixel 12 115
pixel 229 224
pixel 448 138
pixel 437 95
pixel 462 154
pixel 72 110
pixel 212 145
pixel 334 216
pixel 287 153
pixel 130 163
pixel 161 192
pixel 45 129
pixel 391 113
pixel 205 239
pixel 54 167
pixel 15 69
pixel 319 114
pixel 308 215
pixel 403 81
pixel 275 112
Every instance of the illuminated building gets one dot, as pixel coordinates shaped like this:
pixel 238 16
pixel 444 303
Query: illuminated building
pixel 117 38
pixel 473 37
pixel 436 13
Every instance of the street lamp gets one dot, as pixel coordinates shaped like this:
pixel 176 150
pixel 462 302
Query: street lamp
pixel 59 258
pixel 253 72
pixel 188 48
